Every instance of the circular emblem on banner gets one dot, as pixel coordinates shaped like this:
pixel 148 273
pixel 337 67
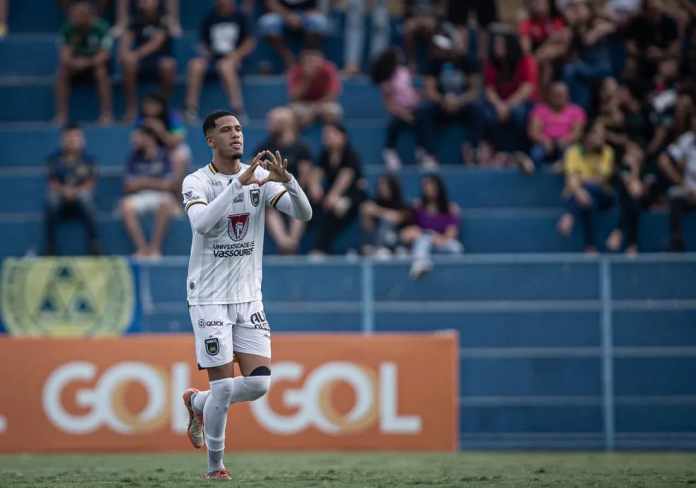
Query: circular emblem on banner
pixel 67 297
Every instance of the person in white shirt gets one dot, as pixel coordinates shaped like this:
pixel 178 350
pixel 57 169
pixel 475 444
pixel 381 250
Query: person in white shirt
pixel 226 202
pixel 679 163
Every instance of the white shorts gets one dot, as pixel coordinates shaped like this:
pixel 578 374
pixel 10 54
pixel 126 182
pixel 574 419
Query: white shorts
pixel 148 201
pixel 222 330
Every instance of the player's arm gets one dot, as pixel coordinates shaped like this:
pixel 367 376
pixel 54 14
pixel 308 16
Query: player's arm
pixel 288 196
pixel 204 215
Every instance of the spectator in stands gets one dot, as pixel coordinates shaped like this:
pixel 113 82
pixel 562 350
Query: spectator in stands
pixel 589 167
pixel 168 124
pixel 84 53
pixel 149 187
pixel 485 14
pixel 651 36
pixel 344 188
pixel 383 218
pixel 146 47
pixel 72 175
pixel 554 126
pixel 420 23
pixel 434 226
pixel 3 18
pixel 224 42
pixel 126 9
pixel 354 37
pixel 295 16
pixel 510 90
pixel 680 158
pixel 283 136
pixel 543 34
pixel 588 60
pixel 314 87
pixel 403 102
pixel 453 86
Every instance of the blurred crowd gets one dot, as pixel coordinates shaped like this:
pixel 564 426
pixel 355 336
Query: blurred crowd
pixel 603 92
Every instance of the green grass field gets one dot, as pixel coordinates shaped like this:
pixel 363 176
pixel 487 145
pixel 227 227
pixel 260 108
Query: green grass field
pixel 261 470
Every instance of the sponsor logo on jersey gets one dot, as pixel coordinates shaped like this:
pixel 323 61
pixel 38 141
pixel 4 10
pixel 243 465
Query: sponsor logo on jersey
pixel 237 226
pixel 255 196
pixel 212 346
pixel 233 250
pixel 202 323
pixel 258 320
pixel 67 296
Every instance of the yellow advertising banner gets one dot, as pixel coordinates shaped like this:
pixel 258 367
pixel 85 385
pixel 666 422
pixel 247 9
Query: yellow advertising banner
pixel 328 392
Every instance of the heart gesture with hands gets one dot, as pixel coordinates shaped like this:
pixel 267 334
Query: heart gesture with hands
pixel 273 163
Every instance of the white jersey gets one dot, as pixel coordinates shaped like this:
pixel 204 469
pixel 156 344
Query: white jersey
pixel 225 263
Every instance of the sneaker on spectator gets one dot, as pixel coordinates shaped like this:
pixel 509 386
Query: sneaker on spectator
pixel 426 160
pixel 391 160
pixel 524 162
pixel 419 268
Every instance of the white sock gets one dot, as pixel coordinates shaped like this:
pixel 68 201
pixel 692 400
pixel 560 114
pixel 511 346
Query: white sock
pixel 198 400
pixel 223 393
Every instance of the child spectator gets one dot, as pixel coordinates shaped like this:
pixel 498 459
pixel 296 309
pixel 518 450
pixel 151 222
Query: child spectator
pixel 146 47
pixel 224 42
pixel 682 197
pixel 72 175
pixel 589 167
pixel 314 87
pixel 85 46
pixel 453 86
pixel 510 88
pixel 403 102
pixel 434 226
pixel 149 187
pixel 340 171
pixel 555 125
pixel 295 16
pixel 383 217
pixel 283 136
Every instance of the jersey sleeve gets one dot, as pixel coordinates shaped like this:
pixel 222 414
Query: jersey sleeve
pixel 274 192
pixel 193 192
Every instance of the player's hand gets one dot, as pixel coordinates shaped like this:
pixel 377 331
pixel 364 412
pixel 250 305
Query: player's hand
pixel 248 177
pixel 277 168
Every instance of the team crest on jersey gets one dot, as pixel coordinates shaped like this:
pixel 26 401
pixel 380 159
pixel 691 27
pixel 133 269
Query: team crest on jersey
pixel 255 196
pixel 237 226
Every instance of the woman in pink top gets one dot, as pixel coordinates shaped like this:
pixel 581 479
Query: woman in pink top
pixel 403 102
pixel 555 125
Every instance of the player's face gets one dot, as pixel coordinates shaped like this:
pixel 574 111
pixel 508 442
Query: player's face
pixel 227 138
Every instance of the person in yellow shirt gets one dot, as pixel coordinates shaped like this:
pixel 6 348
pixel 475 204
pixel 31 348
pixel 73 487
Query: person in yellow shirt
pixel 589 167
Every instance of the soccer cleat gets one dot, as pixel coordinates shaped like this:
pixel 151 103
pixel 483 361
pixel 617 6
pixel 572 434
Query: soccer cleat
pixel 195 426
pixel 221 474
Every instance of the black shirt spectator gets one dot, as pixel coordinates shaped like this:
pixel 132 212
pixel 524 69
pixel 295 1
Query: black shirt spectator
pixel 223 34
pixel 145 28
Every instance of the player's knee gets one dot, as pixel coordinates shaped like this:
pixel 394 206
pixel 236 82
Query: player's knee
pixel 223 390
pixel 258 382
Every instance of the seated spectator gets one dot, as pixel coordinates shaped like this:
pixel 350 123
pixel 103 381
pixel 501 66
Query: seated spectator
pixel 434 226
pixel 403 102
pixel 510 89
pixel 149 187
pixel 354 37
pixel 554 126
pixel 543 35
pixel 344 188
pixel 588 60
pixel 72 175
pixel 3 18
pixel 680 158
pixel 126 9
pixel 651 36
pixel 383 218
pixel 589 167
pixel 420 23
pixel 85 46
pixel 295 16
pixel 314 87
pixel 224 42
pixel 483 12
pixel 453 86
pixel 146 47
pixel 283 136
pixel 170 129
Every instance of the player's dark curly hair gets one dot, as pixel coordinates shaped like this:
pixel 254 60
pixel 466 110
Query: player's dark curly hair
pixel 211 119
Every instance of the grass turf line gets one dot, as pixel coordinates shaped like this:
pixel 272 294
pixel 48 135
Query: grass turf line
pixel 352 470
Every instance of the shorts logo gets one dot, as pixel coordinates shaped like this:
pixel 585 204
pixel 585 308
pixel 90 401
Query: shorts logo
pixel 237 226
pixel 259 321
pixel 255 196
pixel 209 323
pixel 212 346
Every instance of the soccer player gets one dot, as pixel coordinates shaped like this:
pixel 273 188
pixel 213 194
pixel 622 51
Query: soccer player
pixel 226 202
